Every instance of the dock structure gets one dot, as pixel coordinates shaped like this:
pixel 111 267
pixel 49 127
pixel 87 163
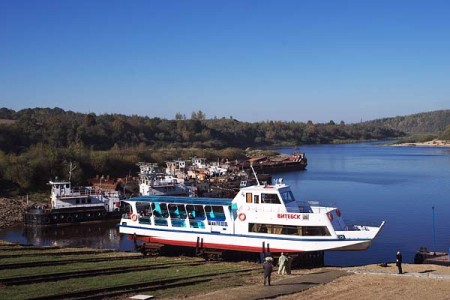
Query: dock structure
pixel 423 256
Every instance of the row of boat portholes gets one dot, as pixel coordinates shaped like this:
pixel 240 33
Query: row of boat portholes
pixel 74 217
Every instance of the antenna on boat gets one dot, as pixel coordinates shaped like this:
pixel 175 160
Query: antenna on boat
pixel 71 168
pixel 254 173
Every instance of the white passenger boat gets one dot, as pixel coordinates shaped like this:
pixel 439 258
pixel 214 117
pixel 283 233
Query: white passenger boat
pixel 260 217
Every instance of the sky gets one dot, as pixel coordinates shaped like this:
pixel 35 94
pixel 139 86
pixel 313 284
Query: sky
pixel 318 60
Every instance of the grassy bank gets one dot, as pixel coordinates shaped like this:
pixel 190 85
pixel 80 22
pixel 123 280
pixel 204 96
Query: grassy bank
pixel 56 273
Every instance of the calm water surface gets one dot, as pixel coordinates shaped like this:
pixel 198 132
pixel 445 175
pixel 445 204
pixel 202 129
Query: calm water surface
pixel 368 182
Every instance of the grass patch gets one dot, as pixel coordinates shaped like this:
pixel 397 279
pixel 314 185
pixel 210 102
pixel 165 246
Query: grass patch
pixel 44 258
pixel 115 280
pixel 183 276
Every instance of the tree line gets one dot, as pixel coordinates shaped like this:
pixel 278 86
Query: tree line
pixel 38 144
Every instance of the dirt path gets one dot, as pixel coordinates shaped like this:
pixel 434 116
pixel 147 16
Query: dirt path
pixel 380 286
pixel 281 285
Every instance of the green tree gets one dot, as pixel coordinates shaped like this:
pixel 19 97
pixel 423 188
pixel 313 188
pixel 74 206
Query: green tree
pixel 446 134
pixel 198 115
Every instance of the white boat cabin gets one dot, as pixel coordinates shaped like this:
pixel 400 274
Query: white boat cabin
pixel 64 196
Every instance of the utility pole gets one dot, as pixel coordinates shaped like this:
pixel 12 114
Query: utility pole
pixel 434 233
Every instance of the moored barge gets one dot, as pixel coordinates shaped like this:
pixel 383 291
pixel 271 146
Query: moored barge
pixel 75 205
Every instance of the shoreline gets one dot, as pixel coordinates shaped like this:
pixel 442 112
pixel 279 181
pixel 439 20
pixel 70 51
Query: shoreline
pixel 433 143
pixel 11 210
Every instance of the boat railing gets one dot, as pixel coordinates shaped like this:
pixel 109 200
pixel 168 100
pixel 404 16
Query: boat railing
pixel 356 228
pixel 262 209
pixel 80 191
pixel 81 205
pixel 86 191
pixel 164 183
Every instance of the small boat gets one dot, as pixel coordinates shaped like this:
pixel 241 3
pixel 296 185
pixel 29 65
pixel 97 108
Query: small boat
pixel 75 205
pixel 259 218
pixel 154 182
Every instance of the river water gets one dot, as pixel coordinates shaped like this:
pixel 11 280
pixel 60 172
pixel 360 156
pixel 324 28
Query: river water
pixel 408 187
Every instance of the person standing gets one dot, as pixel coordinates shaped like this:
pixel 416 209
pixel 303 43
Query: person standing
pixel 282 264
pixel 267 267
pixel 289 264
pixel 399 262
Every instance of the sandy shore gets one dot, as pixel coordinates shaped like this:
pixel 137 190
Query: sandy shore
pixel 433 143
pixel 375 282
pixel 364 282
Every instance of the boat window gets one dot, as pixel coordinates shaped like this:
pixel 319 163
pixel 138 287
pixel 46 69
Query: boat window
pixel 275 229
pixel 178 215
pixel 270 198
pixel 248 197
pixel 219 213
pixel 160 210
pixel 215 213
pixel 287 196
pixel 127 207
pixel 156 212
pixel 197 212
pixel 289 230
pixel 315 230
pixel 173 211
pixel 182 211
pixel 258 228
pixel 143 209
pixel 256 199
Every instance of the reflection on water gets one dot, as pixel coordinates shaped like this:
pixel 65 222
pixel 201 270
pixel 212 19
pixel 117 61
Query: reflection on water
pixel 101 235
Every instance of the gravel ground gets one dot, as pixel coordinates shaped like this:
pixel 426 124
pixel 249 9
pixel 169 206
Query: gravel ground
pixel 11 211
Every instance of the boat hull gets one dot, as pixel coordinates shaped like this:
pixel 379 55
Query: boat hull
pixel 46 217
pixel 243 243
pixel 280 167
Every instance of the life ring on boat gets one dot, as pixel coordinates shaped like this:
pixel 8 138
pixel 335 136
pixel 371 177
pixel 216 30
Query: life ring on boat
pixel 338 212
pixel 134 217
pixel 242 216
pixel 330 216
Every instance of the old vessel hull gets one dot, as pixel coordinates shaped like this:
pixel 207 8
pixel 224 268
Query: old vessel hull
pixel 43 217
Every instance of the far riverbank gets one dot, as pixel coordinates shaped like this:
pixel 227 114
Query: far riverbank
pixel 433 143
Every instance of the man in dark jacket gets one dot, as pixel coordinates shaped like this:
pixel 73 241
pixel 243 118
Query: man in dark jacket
pixel 267 267
pixel 399 262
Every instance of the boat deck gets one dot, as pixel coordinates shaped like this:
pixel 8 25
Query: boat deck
pixel 184 200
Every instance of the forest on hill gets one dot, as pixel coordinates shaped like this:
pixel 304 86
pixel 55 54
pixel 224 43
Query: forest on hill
pixel 38 144
pixel 435 122
pixel 419 127
pixel 58 128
